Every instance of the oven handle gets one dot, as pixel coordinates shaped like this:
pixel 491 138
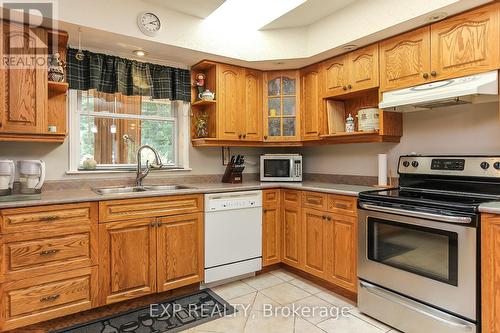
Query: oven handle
pixel 438 217
pixel 413 307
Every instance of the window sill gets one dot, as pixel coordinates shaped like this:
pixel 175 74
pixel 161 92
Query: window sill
pixel 91 172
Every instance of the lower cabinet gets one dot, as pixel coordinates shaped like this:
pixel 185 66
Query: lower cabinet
pixel 127 265
pixel 314 243
pixel 271 227
pixel 143 256
pixel 292 239
pixel 490 272
pixel 180 251
pixel 37 299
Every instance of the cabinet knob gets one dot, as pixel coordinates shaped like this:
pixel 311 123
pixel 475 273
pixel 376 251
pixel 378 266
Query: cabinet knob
pixel 434 73
pixel 244 136
pixel 425 75
pixel 349 86
pixel 344 87
pixel 265 137
pixel 240 136
pixel 323 217
pixel 329 218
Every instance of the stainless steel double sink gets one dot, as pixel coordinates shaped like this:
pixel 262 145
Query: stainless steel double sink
pixel 144 188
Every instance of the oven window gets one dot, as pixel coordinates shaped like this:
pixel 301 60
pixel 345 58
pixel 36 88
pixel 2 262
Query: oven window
pixel 277 168
pixel 428 252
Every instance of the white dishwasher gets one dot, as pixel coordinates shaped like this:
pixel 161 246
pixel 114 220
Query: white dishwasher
pixel 233 234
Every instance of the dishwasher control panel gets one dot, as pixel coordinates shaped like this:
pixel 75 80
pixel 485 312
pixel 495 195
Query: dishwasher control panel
pixel 234 200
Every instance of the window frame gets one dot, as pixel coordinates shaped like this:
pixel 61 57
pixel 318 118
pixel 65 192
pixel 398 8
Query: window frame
pixel 181 136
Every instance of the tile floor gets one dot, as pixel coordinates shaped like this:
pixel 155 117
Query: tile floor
pixel 319 310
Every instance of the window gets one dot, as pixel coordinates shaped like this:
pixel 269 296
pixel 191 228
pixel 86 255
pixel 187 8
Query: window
pixel 109 128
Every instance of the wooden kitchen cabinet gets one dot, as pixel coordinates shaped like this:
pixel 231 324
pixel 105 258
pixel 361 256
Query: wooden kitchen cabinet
pixel 180 251
pixel 363 69
pixel 282 106
pixel 405 60
pixel 271 227
pixel 23 86
pixel 466 44
pixel 336 74
pixel 311 103
pixel 490 272
pixel 251 120
pixel 341 250
pixel 292 229
pixel 230 80
pixel 127 259
pixel 314 226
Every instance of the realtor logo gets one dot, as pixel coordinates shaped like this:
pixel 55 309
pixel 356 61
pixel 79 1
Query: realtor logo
pixel 24 43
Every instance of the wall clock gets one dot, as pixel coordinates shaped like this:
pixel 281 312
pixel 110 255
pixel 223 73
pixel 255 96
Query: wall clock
pixel 149 23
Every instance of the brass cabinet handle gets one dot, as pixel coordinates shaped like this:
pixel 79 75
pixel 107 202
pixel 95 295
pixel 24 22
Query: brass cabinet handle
pixel 49 252
pixel 49 218
pixel 240 136
pixel 265 137
pixel 425 75
pixel 244 136
pixel 50 298
pixel 344 88
pixel 434 73
pixel 329 218
pixel 349 86
pixel 323 217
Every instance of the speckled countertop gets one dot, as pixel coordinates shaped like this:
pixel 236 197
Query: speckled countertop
pixel 490 207
pixel 72 196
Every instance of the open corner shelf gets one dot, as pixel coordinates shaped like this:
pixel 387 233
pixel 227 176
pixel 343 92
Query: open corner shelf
pixel 58 87
pixel 203 103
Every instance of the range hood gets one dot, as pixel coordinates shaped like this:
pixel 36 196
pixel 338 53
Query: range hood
pixel 479 88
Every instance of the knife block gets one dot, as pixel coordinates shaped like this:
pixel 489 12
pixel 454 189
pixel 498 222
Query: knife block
pixel 233 174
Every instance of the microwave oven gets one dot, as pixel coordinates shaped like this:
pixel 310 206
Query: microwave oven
pixel 281 168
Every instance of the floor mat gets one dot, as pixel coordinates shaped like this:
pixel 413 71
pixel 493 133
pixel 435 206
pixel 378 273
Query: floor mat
pixel 174 315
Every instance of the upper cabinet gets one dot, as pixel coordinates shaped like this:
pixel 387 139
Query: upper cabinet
pixel 462 45
pixel 351 72
pixel 251 120
pixel 405 60
pixel 229 101
pixel 281 105
pixel 466 44
pixel 29 104
pixel 311 103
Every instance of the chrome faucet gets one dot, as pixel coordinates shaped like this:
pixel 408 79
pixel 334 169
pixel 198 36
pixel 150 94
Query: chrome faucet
pixel 141 174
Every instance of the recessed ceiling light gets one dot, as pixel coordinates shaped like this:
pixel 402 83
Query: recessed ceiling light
pixel 140 53
pixel 437 16
pixel 350 47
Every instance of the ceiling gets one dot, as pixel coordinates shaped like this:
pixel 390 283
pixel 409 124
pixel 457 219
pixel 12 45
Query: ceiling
pixel 197 8
pixel 308 13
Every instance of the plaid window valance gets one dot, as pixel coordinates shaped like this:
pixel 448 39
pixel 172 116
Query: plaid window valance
pixel 112 74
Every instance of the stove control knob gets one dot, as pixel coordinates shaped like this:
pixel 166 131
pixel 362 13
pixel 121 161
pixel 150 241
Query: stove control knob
pixel 406 164
pixel 497 165
pixel 485 165
pixel 414 164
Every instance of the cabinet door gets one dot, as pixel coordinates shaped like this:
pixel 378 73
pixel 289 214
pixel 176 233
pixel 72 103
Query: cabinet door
pixel 405 60
pixel 466 44
pixel 271 229
pixel 313 231
pixel 363 68
pixel 292 240
pixel 490 276
pixel 251 121
pixel 336 74
pixel 341 252
pixel 281 102
pixel 180 251
pixel 127 259
pixel 229 101
pixel 312 102
pixel 23 84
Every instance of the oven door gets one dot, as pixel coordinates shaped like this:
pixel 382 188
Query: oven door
pixel 428 260
pixel 276 169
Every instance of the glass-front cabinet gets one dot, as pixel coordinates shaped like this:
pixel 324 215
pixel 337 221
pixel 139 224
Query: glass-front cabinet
pixel 281 106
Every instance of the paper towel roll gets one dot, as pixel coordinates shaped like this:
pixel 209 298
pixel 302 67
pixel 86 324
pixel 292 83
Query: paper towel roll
pixel 382 169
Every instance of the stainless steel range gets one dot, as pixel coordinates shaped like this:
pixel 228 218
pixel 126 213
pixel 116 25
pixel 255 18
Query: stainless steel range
pixel 418 263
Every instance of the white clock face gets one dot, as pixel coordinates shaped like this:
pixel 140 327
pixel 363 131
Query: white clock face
pixel 149 23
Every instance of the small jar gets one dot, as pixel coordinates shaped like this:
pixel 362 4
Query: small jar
pixel 349 124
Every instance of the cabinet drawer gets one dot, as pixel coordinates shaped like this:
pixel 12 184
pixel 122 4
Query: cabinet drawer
pixel 270 197
pixel 314 200
pixel 34 300
pixel 342 204
pixel 33 218
pixel 291 196
pixel 115 210
pixel 26 256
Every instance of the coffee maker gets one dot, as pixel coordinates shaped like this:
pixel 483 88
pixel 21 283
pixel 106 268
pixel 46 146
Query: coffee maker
pixel 31 176
pixel 7 173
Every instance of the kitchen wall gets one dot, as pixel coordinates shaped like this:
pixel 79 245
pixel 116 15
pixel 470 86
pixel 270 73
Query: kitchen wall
pixel 471 129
